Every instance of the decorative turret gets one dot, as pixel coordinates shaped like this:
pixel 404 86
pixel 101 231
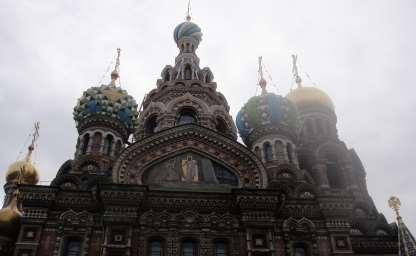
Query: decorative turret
pixel 105 117
pixel 268 125
pixel 185 93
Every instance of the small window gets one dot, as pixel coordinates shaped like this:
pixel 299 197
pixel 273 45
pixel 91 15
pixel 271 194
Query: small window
pixel 155 248
pixel 188 248
pixel 72 247
pixel 187 116
pixel 268 152
pixel 167 76
pixel 188 72
pixel 151 124
pixel 221 126
pixel 85 143
pixel 289 152
pixel 220 248
pixel 108 144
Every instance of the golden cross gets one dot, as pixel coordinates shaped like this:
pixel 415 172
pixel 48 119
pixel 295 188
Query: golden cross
pixel 295 70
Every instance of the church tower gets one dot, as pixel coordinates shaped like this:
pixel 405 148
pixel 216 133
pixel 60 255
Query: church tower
pixel 105 117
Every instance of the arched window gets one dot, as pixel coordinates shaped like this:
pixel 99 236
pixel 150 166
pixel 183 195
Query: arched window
pixel 167 76
pixel 268 152
pixel 289 151
pixel 151 124
pixel 85 143
pixel 220 248
pixel 96 142
pixel 188 72
pixel 72 247
pixel 334 173
pixel 300 250
pixel 221 126
pixel 155 248
pixel 188 248
pixel 186 116
pixel 108 144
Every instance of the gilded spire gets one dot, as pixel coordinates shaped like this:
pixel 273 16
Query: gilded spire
pixel 262 81
pixel 407 243
pixel 188 13
pixel 295 71
pixel 116 72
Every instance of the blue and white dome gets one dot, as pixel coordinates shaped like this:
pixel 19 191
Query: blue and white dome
pixel 263 110
pixel 187 29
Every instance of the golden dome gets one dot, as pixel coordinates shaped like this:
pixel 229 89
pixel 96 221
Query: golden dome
pixel 24 168
pixel 302 96
pixel 10 220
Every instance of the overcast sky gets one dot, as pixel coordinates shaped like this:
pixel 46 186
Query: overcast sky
pixel 362 53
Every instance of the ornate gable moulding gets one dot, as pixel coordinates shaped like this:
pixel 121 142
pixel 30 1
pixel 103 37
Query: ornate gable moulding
pixel 132 163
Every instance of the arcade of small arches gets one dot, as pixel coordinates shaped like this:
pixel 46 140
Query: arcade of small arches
pixel 186 115
pixel 317 126
pixel 276 150
pixel 99 142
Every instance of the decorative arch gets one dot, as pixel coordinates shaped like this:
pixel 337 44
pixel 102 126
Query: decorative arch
pixel 187 100
pixel 135 159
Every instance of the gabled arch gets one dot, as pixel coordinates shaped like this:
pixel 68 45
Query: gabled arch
pixel 187 100
pixel 135 159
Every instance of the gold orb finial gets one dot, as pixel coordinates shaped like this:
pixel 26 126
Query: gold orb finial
pixel 395 204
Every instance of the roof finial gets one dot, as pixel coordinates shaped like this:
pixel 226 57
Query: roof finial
pixel 394 203
pixel 188 13
pixel 31 147
pixel 295 71
pixel 116 72
pixel 262 81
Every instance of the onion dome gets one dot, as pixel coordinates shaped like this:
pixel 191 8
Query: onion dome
pixel 107 100
pixel 23 171
pixel 266 109
pixel 309 96
pixel 10 220
pixel 187 29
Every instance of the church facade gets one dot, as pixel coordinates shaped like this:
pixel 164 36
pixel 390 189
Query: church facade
pixel 186 186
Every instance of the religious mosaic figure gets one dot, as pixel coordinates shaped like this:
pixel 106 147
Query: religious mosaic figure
pixel 189 171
